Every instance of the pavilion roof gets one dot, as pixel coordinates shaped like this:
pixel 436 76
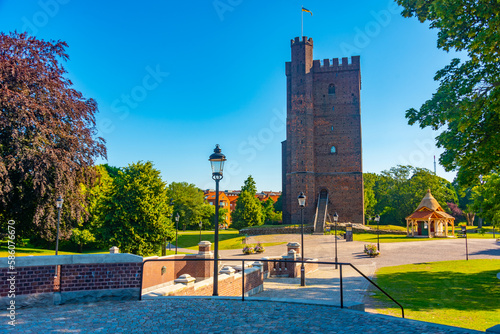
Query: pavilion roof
pixel 429 208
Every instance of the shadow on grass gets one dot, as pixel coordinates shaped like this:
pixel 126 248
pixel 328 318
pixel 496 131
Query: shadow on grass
pixel 426 290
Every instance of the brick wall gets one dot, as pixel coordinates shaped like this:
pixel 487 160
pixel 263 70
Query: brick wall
pixel 228 285
pixel 99 276
pixel 28 280
pixel 73 277
pixel 173 269
pixel 288 269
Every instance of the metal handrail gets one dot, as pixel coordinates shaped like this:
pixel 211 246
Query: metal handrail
pixel 274 261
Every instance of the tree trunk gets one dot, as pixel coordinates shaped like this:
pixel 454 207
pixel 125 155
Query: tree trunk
pixel 80 248
pixel 480 223
pixel 470 218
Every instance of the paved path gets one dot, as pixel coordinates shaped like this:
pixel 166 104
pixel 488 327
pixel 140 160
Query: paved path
pixel 207 315
pixel 323 284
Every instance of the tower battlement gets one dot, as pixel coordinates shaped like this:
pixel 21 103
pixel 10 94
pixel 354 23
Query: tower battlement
pixel 335 65
pixel 305 40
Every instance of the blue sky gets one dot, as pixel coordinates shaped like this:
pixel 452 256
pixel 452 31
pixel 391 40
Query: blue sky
pixel 172 79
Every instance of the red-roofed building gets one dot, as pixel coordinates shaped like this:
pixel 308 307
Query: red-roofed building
pixel 228 198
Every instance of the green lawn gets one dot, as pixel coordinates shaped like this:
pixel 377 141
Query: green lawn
pixel 387 227
pixel 456 293
pixel 228 239
pixel 370 237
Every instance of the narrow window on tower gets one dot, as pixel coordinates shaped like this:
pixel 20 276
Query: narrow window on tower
pixel 333 150
pixel 331 90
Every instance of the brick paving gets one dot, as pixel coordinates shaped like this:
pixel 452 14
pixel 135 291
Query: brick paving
pixel 208 315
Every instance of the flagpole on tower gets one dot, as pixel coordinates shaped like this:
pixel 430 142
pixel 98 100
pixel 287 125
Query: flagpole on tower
pixel 302 19
pixel 302 23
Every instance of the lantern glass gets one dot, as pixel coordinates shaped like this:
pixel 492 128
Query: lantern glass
pixel 59 202
pixel 217 161
pixel 335 217
pixel 302 199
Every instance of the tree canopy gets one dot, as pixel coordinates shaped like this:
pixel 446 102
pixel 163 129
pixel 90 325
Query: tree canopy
pixel 48 136
pixel 486 197
pixel 137 214
pixel 399 190
pixel 189 202
pixel 466 105
pixel 248 210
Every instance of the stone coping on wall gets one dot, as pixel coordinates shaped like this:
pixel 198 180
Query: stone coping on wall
pixel 31 261
pixel 176 288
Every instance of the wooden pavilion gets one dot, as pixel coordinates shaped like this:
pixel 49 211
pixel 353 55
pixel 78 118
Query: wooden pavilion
pixel 429 220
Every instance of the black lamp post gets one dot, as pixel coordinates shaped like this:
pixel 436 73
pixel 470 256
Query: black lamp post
pixel 176 230
pixel 335 220
pixel 171 215
pixel 377 219
pixel 217 160
pixel 201 224
pixel 302 204
pixel 59 203
pixel 464 232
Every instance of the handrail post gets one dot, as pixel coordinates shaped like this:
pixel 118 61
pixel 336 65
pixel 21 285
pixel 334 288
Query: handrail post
pixel 341 289
pixel 242 280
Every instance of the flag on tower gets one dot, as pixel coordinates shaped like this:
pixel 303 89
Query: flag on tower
pixel 307 11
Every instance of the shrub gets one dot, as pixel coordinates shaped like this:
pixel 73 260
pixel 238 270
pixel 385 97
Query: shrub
pixel 259 248
pixel 371 250
pixel 248 250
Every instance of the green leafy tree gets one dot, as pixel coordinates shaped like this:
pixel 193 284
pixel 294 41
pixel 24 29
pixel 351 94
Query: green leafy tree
pixel 250 185
pixel 48 138
pixel 398 192
pixel 88 227
pixel 486 198
pixel 267 209
pixel 137 214
pixel 248 210
pixel 82 237
pixel 369 192
pixel 278 206
pixel 189 202
pixel 466 104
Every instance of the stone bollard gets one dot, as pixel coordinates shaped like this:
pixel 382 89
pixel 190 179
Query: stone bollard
pixel 259 265
pixel 114 250
pixel 185 279
pixel 293 245
pixel 227 270
pixel 204 250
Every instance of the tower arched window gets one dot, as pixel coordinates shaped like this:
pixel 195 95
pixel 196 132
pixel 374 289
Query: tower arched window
pixel 331 89
pixel 333 150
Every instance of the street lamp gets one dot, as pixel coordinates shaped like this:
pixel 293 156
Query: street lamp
pixel 336 219
pixel 171 214
pixel 59 203
pixel 464 232
pixel 217 160
pixel 201 224
pixel 302 204
pixel 176 230
pixel 377 219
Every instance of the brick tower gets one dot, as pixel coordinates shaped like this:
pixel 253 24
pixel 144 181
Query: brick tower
pixel 321 155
